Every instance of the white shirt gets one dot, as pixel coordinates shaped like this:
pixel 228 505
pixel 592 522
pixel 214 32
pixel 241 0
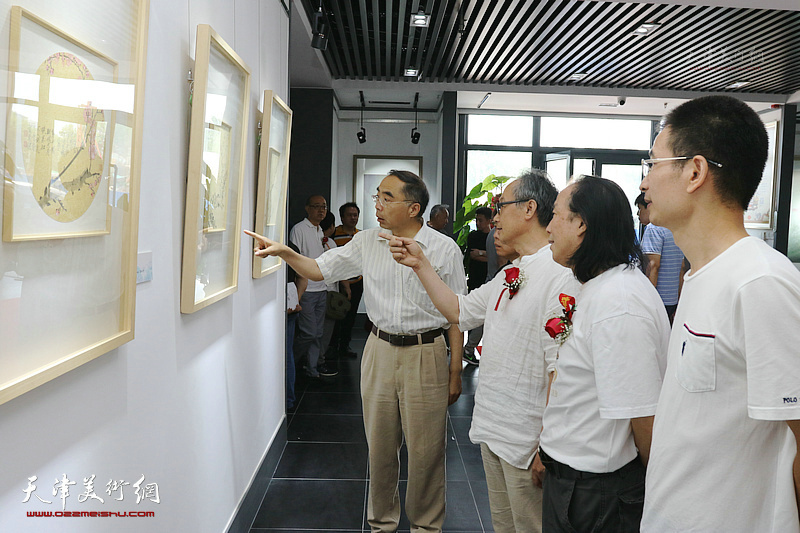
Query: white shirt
pixel 721 458
pixel 308 239
pixel 608 371
pixel 395 299
pixel 516 355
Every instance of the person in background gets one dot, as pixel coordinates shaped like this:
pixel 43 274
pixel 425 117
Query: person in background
pixel 517 352
pixel 665 268
pixel 439 217
pixel 476 273
pixel 307 235
pixel 327 367
pixel 604 389
pixel 726 440
pixel 643 215
pixel 352 288
pixel 406 380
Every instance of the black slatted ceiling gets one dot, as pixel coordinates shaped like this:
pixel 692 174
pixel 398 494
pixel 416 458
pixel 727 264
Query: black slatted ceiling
pixel 544 42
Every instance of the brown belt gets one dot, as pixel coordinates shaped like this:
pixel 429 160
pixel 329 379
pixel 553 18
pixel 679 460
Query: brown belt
pixel 408 340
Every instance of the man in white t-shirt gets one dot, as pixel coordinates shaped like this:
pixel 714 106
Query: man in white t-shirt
pixel 725 442
pixel 603 394
pixel 517 352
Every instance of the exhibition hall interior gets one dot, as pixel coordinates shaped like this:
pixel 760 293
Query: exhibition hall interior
pixel 143 368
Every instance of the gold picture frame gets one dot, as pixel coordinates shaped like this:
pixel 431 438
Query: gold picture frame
pixel 220 102
pixel 273 178
pixel 59 133
pixel 66 301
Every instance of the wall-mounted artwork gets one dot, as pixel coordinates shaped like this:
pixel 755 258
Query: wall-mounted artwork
pixel 217 146
pixel 369 171
pixel 760 210
pixel 60 130
pixel 71 164
pixel 273 178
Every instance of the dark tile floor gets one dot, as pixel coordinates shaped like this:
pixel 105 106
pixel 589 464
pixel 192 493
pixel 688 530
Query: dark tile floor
pixel 320 483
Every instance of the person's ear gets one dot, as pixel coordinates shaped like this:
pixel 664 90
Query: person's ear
pixel 413 210
pixel 696 172
pixel 530 209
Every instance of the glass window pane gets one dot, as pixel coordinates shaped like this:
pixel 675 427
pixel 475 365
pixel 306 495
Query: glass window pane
pixel 583 166
pixel 481 163
pixel 609 133
pixel 628 177
pixel 500 130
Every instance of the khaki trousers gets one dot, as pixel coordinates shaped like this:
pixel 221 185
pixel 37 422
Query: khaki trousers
pixel 515 502
pixel 404 391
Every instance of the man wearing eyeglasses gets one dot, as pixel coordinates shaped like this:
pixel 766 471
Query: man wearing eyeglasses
pixel 307 236
pixel 406 380
pixel 724 454
pixel 518 354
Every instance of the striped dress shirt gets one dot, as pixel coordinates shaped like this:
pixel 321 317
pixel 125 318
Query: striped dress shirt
pixel 395 299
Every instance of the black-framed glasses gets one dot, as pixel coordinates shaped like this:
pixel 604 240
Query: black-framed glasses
pixel 647 164
pixel 499 205
pixel 318 206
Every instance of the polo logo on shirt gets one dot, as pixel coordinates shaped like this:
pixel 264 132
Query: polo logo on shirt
pixel 790 400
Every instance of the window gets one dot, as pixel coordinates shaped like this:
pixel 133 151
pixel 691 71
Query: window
pixel 500 130
pixel 481 163
pixel 596 133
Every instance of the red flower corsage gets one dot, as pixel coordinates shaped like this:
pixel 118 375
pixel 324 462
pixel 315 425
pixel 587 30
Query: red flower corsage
pixel 515 279
pixel 560 327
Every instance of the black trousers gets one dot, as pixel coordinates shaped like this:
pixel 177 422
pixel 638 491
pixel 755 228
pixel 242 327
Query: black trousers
pixel 343 331
pixel 584 502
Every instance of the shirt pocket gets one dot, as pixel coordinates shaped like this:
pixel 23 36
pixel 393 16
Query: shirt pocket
pixel 697 368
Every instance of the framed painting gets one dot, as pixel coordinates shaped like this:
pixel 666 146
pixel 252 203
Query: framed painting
pixel 369 171
pixel 71 167
pixel 60 130
pixel 760 210
pixel 273 178
pixel 217 149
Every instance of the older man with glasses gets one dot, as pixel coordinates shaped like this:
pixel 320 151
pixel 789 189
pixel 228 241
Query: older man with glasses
pixel 307 236
pixel 406 380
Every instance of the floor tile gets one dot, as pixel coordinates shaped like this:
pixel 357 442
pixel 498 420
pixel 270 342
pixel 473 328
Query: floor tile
pixel 469 385
pixel 329 403
pixel 471 455
pixel 461 513
pixel 463 406
pixel 310 504
pixel 481 494
pixel 327 428
pixel 461 425
pixel 340 383
pixel 323 460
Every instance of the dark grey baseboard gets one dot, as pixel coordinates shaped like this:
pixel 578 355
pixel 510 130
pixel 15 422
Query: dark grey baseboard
pixel 255 495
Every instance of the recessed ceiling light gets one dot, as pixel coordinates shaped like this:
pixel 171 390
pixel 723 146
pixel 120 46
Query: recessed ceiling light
pixel 647 28
pixel 411 72
pixel 420 20
pixel 578 76
pixel 737 85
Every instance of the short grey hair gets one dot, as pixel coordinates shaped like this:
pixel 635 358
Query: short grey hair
pixel 438 208
pixel 535 184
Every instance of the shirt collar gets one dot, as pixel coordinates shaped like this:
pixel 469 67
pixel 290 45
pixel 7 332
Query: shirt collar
pixel 310 225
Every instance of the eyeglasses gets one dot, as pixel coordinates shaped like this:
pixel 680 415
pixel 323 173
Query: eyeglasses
pixel 647 164
pixel 499 205
pixel 386 203
pixel 318 206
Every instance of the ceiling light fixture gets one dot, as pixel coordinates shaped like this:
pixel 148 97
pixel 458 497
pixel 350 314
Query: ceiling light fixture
pixel 420 20
pixel 411 72
pixel 737 85
pixel 646 29
pixel 414 133
pixel 484 99
pixel 362 133
pixel 319 40
pixel 577 76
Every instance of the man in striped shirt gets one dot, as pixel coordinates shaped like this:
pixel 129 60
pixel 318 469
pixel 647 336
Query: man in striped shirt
pixel 666 262
pixel 406 380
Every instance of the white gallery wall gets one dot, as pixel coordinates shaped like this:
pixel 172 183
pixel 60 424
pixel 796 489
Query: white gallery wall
pixel 194 401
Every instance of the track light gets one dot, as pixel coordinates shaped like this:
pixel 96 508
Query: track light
pixel 361 135
pixel 319 40
pixel 414 133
